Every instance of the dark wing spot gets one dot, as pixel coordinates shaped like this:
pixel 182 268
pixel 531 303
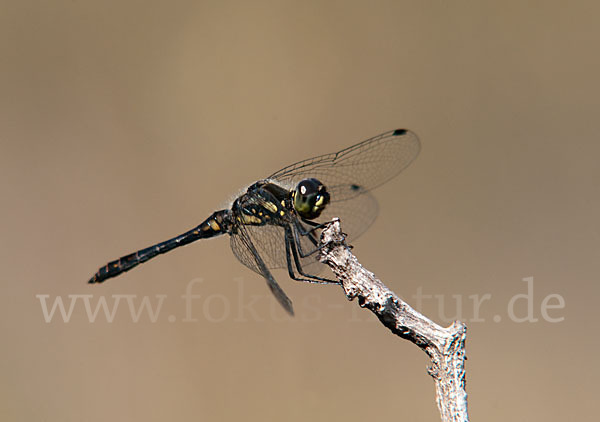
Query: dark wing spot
pixel 354 187
pixel 399 132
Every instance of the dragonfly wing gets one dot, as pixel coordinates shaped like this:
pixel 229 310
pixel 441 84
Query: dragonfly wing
pixel 357 169
pixel 268 241
pixel 246 252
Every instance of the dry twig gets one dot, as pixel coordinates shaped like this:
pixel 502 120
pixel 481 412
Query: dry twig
pixel 444 346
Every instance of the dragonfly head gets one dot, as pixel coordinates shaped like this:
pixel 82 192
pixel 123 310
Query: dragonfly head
pixel 310 198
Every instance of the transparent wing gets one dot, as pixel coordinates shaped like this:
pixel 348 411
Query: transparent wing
pixel 356 215
pixel 357 169
pixel 348 175
pixel 246 252
pixel 269 242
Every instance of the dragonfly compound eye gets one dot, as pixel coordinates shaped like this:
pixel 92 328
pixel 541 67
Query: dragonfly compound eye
pixel 310 198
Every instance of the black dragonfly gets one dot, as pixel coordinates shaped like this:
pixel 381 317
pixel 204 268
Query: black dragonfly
pixel 276 222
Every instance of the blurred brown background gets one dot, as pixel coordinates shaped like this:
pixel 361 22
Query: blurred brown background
pixel 124 123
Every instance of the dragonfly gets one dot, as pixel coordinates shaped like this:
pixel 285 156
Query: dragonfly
pixel 275 223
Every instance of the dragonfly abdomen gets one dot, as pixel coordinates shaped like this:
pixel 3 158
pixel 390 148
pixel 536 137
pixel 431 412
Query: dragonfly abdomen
pixel 214 225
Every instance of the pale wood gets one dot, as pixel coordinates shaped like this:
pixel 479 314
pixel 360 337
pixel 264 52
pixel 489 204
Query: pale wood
pixel 444 346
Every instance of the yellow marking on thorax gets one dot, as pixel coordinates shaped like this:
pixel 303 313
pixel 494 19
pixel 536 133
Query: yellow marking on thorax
pixel 250 219
pixel 270 206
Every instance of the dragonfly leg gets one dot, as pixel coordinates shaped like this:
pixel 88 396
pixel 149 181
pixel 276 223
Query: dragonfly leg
pixel 313 226
pixel 310 236
pixel 291 251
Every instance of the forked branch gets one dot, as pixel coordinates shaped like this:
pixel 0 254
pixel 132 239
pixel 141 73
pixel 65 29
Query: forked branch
pixel 444 346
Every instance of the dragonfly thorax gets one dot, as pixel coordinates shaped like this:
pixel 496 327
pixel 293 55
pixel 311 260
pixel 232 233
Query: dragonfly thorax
pixel 310 198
